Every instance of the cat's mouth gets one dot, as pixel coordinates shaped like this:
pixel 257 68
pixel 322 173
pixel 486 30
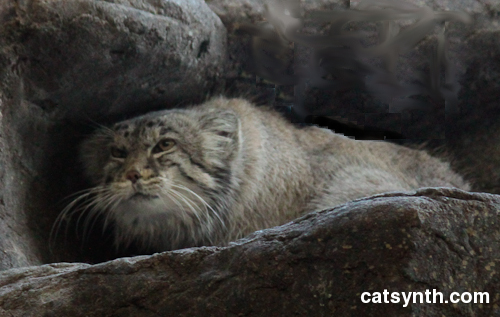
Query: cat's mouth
pixel 142 196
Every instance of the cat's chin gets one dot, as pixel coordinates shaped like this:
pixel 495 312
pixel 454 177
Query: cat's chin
pixel 143 197
pixel 141 205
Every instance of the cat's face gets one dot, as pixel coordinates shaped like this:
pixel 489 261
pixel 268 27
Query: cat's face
pixel 165 166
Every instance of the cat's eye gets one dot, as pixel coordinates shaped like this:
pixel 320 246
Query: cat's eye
pixel 118 153
pixel 164 146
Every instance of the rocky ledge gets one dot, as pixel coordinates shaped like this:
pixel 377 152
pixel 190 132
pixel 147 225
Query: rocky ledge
pixel 319 265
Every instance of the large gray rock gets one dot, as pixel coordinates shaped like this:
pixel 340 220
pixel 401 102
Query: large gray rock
pixel 318 265
pixel 107 57
pixel 23 139
pixel 241 68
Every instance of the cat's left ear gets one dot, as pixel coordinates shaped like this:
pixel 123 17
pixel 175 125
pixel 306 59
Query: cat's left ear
pixel 221 136
pixel 224 123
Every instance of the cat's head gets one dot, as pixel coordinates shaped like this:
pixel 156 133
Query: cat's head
pixel 172 163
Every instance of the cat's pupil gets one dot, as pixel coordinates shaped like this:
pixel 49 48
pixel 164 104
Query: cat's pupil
pixel 164 145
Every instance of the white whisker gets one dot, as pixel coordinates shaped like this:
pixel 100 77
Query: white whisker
pixel 99 208
pixel 66 214
pixel 207 206
pixel 195 210
pixel 89 204
pixel 188 202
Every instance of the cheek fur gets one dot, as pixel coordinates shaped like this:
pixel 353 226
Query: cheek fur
pixel 111 172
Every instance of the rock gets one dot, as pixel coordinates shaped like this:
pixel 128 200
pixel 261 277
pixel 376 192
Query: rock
pixel 242 80
pixel 23 139
pixel 112 57
pixel 318 265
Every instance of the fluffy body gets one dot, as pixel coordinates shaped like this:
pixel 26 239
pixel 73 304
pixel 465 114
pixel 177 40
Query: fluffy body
pixel 234 168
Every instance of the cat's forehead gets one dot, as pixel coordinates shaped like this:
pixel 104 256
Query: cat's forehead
pixel 155 124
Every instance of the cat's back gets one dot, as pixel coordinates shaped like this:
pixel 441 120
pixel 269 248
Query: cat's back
pixel 331 153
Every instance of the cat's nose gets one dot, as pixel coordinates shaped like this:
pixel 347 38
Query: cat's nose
pixel 133 175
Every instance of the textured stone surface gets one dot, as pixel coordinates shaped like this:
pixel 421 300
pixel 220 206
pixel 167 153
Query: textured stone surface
pixel 317 265
pixel 242 80
pixel 108 57
pixel 22 140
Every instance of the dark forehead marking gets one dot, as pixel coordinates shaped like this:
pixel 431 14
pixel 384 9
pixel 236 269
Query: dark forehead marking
pixel 149 124
pixel 137 131
pixel 165 130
